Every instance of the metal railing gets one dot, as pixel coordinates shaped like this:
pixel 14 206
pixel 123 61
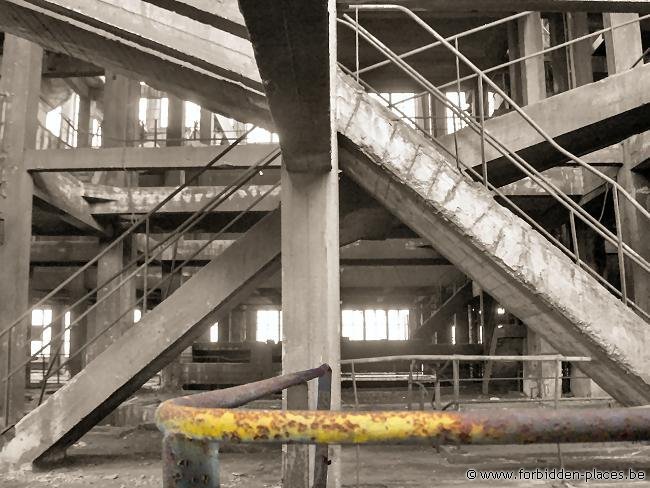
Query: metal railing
pixel 627 256
pixel 194 426
pixel 454 360
pixel 137 265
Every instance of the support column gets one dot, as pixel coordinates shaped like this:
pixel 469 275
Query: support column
pixel 624 48
pixel 559 60
pixel 538 376
pixel 580 52
pixel 206 127
pixel 175 134
pixel 310 292
pixel 533 79
pixel 83 122
pixel 119 128
pixel 78 332
pixel 20 80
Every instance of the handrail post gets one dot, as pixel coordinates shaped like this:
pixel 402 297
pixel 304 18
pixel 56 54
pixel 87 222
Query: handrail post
pixel 189 463
pixel 324 402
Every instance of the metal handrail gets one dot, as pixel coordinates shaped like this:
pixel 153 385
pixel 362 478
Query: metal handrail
pixel 193 427
pixel 124 235
pixel 167 279
pixel 519 162
pixel 188 224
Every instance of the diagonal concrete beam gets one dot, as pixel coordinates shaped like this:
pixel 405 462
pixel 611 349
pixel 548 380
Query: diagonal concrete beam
pixel 174 54
pixel 291 43
pixel 63 193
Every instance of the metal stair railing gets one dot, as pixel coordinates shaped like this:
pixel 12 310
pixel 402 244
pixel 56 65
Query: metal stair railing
pixel 575 210
pixel 147 257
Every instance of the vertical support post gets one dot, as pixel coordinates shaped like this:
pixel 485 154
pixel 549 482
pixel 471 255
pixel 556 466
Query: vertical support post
pixel 580 52
pixel 322 461
pixel 533 79
pixel 456 374
pixel 559 59
pixel 311 309
pixel 119 128
pixel 83 122
pixel 206 127
pixel 78 332
pixel 624 47
pixel 189 463
pixel 20 79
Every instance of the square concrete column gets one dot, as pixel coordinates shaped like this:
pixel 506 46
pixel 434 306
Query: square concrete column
pixel 539 376
pixel 580 52
pixel 20 81
pixel 533 78
pixel 624 48
pixel 84 136
pixel 119 128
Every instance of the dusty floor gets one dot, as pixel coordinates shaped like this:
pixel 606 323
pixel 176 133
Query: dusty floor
pixel 130 457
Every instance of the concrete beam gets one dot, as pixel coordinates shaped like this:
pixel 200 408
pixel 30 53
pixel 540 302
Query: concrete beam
pixel 506 6
pixel 516 265
pixel 146 158
pixel 571 180
pixel 63 194
pixel 291 41
pixel 194 62
pixel 623 109
pixel 222 14
pixel 116 200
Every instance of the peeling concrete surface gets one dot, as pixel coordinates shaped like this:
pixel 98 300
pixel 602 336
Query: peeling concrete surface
pixel 497 249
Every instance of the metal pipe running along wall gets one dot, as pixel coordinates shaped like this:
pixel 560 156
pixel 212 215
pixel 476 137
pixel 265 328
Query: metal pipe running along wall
pixel 193 426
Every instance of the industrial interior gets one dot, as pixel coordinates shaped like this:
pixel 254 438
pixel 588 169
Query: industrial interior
pixel 310 243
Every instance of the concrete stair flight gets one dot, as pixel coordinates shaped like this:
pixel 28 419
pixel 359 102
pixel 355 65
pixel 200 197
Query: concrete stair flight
pixel 623 109
pixel 147 347
pixel 508 258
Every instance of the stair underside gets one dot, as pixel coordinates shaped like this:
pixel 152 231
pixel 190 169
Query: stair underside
pixel 146 348
pixel 495 248
pixel 623 109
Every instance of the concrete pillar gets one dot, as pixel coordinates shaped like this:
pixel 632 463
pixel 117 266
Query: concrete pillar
pixel 310 291
pixel 580 52
pixel 533 79
pixel 250 317
pixel 119 128
pixel 206 127
pixel 623 44
pixel 538 376
pixel 311 311
pixel 175 134
pixel 514 70
pixel 624 48
pixel 20 80
pixel 238 325
pixel 439 117
pixel 559 59
pixel 78 332
pixel 84 130
pixel 461 322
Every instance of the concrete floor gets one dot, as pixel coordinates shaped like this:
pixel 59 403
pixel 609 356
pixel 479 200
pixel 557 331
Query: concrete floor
pixel 115 457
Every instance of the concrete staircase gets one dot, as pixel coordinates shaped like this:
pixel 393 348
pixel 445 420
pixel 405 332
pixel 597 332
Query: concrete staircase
pixel 506 256
pixel 623 109
pixel 147 347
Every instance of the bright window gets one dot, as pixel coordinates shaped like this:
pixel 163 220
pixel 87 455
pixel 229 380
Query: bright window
pixel 454 122
pixel 164 108
pixel 142 110
pixel 375 324
pixel 66 335
pixel 260 135
pixel 53 121
pixel 269 325
pixel 192 114
pixel 402 104
pixel 42 317
pixel 352 324
pixel 214 332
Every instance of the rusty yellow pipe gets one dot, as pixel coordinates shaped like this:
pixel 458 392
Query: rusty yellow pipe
pixel 327 427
